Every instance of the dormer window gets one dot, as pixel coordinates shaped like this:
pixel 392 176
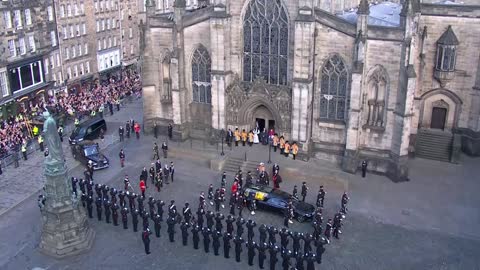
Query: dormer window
pixel 446 57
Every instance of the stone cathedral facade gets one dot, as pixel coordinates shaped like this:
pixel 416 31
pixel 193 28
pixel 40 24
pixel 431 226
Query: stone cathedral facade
pixel 349 81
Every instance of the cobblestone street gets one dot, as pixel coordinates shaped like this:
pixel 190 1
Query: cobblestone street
pixel 429 222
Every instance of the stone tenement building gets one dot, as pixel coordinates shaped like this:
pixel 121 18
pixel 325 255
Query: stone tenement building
pixel 28 37
pixel 381 82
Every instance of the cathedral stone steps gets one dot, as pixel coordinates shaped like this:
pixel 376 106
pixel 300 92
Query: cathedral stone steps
pixel 232 165
pixel 436 145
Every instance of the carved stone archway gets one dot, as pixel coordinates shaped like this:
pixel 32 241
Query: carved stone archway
pixel 243 99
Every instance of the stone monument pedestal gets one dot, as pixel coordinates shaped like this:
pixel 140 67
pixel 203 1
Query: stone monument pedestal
pixel 65 226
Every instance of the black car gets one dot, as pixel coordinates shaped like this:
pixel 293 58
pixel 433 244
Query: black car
pixel 88 130
pixel 277 200
pixel 88 151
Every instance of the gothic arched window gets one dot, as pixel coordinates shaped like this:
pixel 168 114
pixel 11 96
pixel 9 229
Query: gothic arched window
pixel 265 42
pixel 201 66
pixel 376 97
pixel 167 82
pixel 333 90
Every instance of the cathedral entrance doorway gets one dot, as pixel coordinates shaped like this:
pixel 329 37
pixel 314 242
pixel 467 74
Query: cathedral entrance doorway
pixel 263 118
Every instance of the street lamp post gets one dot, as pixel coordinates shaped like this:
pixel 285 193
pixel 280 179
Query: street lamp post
pixel 222 134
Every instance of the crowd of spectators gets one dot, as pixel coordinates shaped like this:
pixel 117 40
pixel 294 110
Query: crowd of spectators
pixel 79 103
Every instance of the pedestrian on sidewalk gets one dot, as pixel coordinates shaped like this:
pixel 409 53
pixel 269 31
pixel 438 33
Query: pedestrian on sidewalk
pixel 364 168
pixel 170 131
pixel 155 130
pixel 165 149
pixel 127 129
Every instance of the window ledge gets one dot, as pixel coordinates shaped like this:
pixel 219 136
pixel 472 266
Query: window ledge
pixel 370 128
pixel 336 124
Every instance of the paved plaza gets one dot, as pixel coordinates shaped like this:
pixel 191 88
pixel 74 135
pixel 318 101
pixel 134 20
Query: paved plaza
pixel 429 222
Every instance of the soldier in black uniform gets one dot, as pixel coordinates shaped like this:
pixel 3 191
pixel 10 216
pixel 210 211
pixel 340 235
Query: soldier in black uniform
pixel 218 222
pixel 296 236
pixel 304 191
pixel 115 214
pixel 251 246
pixel 160 205
pixel 135 220
pixel 157 224
pixel 319 243
pixel 195 231
pixel 286 217
pixel 238 247
pixel 226 244
pixel 232 201
pixel 131 200
pixel 299 265
pixel 273 257
pixel 184 228
pixel 105 190
pixel 263 233
pixel 200 214
pixel 320 197
pixel 217 200
pixel 272 231
pixel 249 178
pixel 120 131
pixel 172 209
pixel 144 175
pixel 328 229
pixel 250 225
pixel 113 195
pixel 295 192
pixel 216 242
pixel 240 221
pixel 124 213
pixel 187 213
pixel 262 248
pixel 171 228
pixel 364 168
pixel 210 216
pixel 146 240
pixel 121 198
pixel 286 255
pixel 230 220
pixel 337 225
pixel 307 240
pixel 310 258
pixel 90 206
pixel 151 206
pixel 140 200
pixel 240 204
pixel 145 217
pixel 82 184
pixel 98 190
pixel 284 235
pixel 345 199
pixel 317 230
pixel 206 239
pixel 107 206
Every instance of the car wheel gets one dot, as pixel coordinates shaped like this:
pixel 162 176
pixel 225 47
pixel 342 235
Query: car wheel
pixel 300 219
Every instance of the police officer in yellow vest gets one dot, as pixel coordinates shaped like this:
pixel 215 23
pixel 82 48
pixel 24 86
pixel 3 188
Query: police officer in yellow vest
pixel 287 149
pixel 35 131
pixel 24 151
pixel 93 113
pixel 40 142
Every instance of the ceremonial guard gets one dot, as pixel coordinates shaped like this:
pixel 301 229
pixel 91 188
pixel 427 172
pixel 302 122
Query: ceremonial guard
pixel 307 240
pixel 131 200
pixel 337 225
pixel 210 194
pixel 171 228
pixel 296 236
pixel 310 258
pixel 226 244
pixel 74 186
pixel 210 219
pixel 230 220
pixel 187 213
pixel 238 247
pixel 157 225
pixel 272 231
pixel 286 255
pixel 237 136
pixel 263 233
pixel 239 223
pixel 106 205
pixel 121 131
pixel 200 214
pixel 244 137
pixel 328 229
pixel 320 197
pixel 218 222
pixel 151 206
pixel 171 169
pixel 195 231
pixel 172 209
pixel 115 214
pixel 284 235
pixel 135 219
pixel 184 229
pixel 90 206
pixel 319 243
pixel 295 192
pixel 124 213
pixel 146 240
pixel 121 198
pixel 304 191
pixel 160 205
pixel 299 265
pixel 250 225
pixel 145 216
pixel 262 248
pixel 282 145
pixel 151 173
pixel 121 155
pixel 140 200
pixel 273 257
pixel 217 200
pixel 206 239
pixel 251 251
pixel 345 199
pixel 216 242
